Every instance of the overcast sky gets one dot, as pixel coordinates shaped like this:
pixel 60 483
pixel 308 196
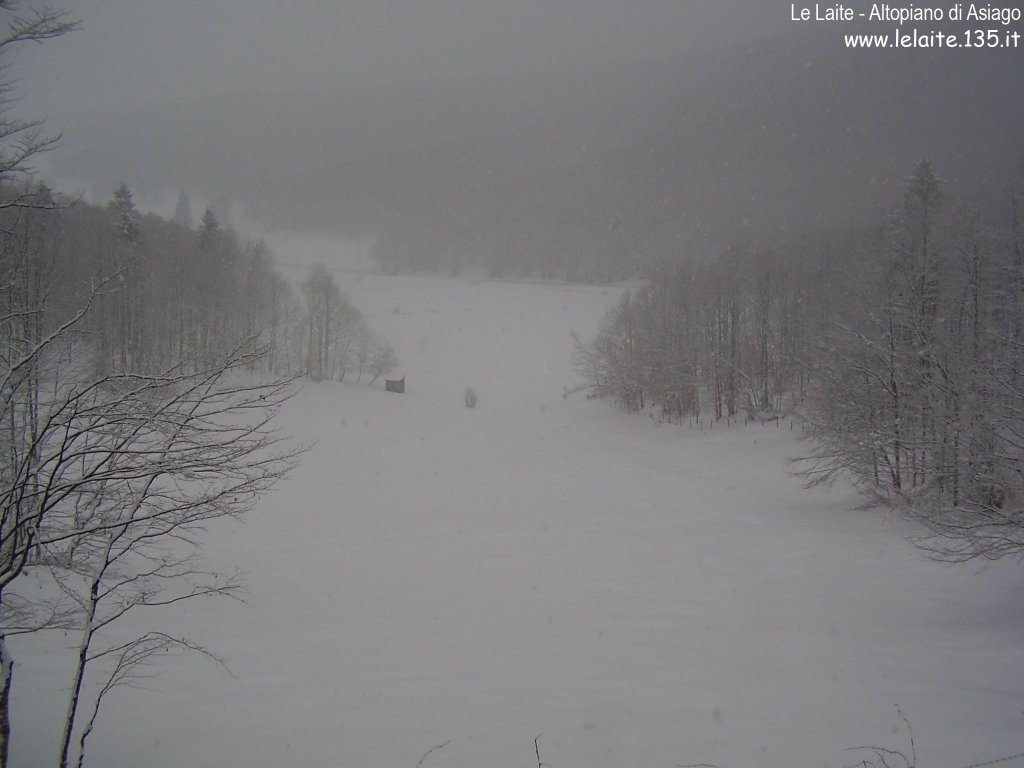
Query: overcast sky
pixel 159 49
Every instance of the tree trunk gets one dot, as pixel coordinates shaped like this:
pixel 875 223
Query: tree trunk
pixel 6 676
pixel 76 692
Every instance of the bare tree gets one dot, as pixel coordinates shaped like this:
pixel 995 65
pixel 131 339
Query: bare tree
pixel 21 140
pixel 110 490
pixel 323 300
pixel 144 463
pixel 382 360
pixel 336 334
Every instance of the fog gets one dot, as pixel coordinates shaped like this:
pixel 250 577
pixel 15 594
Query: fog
pixel 545 298
pixel 145 51
pixel 579 140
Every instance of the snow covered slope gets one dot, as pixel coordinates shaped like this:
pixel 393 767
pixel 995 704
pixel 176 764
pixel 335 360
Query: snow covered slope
pixel 640 595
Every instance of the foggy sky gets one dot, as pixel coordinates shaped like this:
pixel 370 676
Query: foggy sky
pixel 154 50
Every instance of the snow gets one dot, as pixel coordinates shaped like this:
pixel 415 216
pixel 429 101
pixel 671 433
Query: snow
pixel 636 594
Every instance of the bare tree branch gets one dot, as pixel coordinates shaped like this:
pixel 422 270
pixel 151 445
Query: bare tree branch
pixel 431 751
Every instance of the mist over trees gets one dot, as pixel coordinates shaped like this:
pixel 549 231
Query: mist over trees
pixel 900 347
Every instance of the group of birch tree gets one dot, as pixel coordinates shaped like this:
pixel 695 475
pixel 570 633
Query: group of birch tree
pixel 711 339
pixel 901 347
pixel 171 293
pixel 920 391
pixel 337 338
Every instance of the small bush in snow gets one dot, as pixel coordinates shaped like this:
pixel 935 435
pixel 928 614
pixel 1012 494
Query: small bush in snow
pixel 470 398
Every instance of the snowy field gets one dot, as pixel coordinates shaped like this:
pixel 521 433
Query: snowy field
pixel 639 595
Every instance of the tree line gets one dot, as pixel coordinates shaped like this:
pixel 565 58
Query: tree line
pixel 168 293
pixel 900 345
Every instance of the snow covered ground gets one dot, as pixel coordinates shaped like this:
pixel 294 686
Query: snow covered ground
pixel 639 595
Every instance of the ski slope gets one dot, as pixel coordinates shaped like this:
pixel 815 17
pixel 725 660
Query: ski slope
pixel 637 595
